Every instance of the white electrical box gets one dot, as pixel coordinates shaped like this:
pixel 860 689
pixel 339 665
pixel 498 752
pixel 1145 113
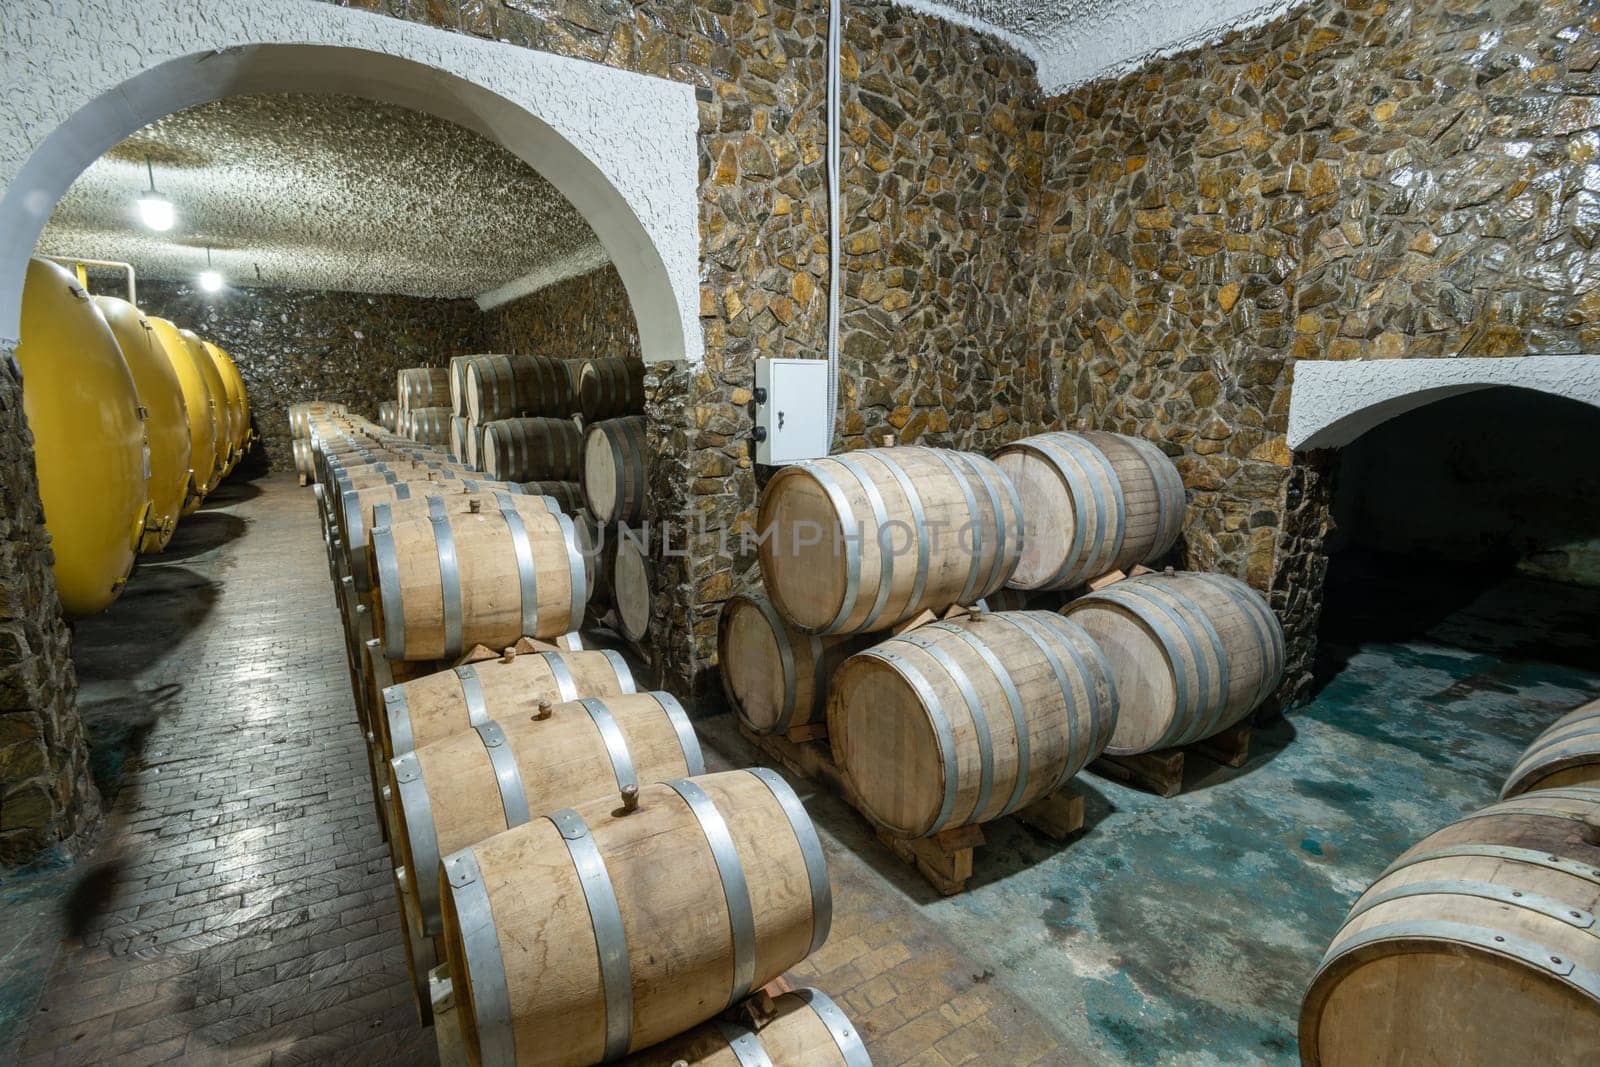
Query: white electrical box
pixel 791 410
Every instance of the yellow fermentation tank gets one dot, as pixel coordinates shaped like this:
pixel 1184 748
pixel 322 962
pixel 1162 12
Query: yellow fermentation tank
pixel 232 385
pixel 223 443
pixel 231 370
pixel 89 441
pixel 166 419
pixel 197 401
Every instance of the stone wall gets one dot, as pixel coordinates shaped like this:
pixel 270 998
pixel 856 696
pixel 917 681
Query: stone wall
pixel 581 318
pixel 1355 181
pixel 46 794
pixel 294 345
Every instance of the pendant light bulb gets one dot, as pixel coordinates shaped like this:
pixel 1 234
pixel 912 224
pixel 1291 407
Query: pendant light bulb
pixel 155 210
pixel 210 280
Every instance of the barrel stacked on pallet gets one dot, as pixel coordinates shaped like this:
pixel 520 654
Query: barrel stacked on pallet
pixel 614 476
pixel 530 791
pixel 872 658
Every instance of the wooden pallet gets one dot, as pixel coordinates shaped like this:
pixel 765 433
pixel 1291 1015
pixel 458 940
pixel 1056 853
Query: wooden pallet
pixel 1161 772
pixel 945 859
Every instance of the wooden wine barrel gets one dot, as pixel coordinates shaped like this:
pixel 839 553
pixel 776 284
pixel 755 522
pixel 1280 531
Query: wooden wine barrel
pixel 446 584
pixel 431 708
pixel 647 922
pixel 365 477
pixel 458 438
pixel 629 584
pixel 422 951
pixel 509 387
pixel 388 415
pixel 961 722
pixel 472 445
pixel 806 1029
pixel 1192 654
pixel 305 461
pixel 1477 946
pixel 429 426
pixel 1568 753
pixel 1093 503
pixel 569 495
pixel 301 414
pixel 509 768
pixel 423 387
pixel 457 374
pixel 776 677
pixel 610 387
pixel 862 541
pixel 525 450
pixel 359 511
pixel 614 462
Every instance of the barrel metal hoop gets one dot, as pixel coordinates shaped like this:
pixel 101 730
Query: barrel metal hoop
pixel 805 835
pixel 577 575
pixel 472 694
pixel 1508 853
pixel 1078 642
pixel 402 491
pixel 610 937
pixel 840 1028
pixel 1550 907
pixel 943 731
pixel 780 636
pixel 527 576
pixel 1521 949
pixel 1528 809
pixel 1019 721
pixel 1252 604
pixel 1142 610
pixel 394 623
pixel 449 585
pixel 688 740
pixel 1162 473
pixel 919 525
pixel 436 510
pixel 979 466
pixel 398 713
pixel 850 531
pixel 965 486
pixel 1065 454
pixel 1214 719
pixel 513 797
pixel 735 888
pixel 1555 738
pixel 355 534
pixel 1262 631
pixel 565 686
pixel 980 722
pixel 620 666
pixel 744 1044
pixel 880 519
pixel 616 744
pixel 416 816
pixel 480 942
pixel 1031 629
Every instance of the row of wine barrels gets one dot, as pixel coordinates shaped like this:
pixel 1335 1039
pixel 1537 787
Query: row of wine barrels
pixel 649 917
pixel 446 584
pixel 388 415
pixel 362 510
pixel 440 704
pixel 805 1029
pixel 860 542
pixel 1093 503
pixel 525 450
pixel 961 722
pixel 775 677
pixel 614 462
pixel 428 426
pixel 1476 946
pixel 508 387
pixel 509 768
pixel 301 414
pixel 569 495
pixel 1568 753
pixel 422 387
pixel 610 387
pixel 1191 654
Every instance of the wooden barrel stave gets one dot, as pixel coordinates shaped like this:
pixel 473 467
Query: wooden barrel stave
pixel 962 722
pixel 429 426
pixel 476 783
pixel 806 1029
pixel 388 410
pixel 775 677
pixel 446 584
pixel 614 467
pixel 1567 753
pixel 748 898
pixel 629 584
pixel 898 527
pixel 610 387
pixel 568 495
pixel 1479 940
pixel 422 387
pixel 532 449
pixel 438 705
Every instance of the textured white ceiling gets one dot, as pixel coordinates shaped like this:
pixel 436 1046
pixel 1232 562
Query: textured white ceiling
pixel 1076 41
pixel 325 192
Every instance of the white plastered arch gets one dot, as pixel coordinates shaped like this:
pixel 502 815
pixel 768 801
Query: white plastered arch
pixel 1333 402
pixel 81 75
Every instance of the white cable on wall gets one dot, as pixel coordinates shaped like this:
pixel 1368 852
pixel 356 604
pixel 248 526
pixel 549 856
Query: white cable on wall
pixel 834 214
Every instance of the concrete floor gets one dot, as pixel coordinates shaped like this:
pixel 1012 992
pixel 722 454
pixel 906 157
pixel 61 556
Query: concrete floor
pixel 239 906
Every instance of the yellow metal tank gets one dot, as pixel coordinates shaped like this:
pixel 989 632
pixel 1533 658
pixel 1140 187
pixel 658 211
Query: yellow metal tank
pixel 166 421
pixel 89 442
pixel 234 388
pixel 219 402
pixel 231 370
pixel 197 402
